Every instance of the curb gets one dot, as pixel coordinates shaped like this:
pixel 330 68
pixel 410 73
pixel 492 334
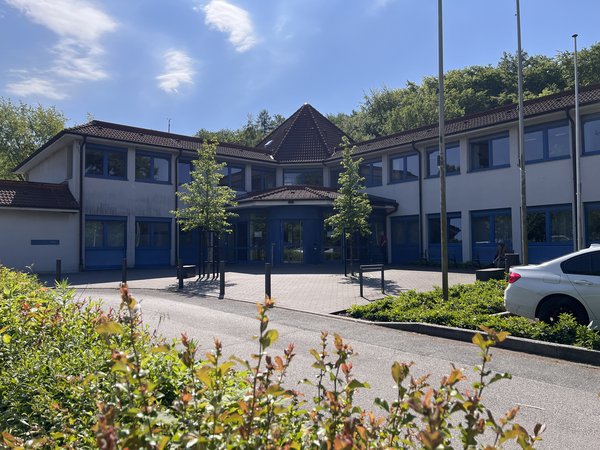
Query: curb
pixel 540 348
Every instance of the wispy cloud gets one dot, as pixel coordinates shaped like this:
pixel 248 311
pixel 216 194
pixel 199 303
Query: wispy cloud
pixel 231 19
pixel 79 25
pixel 36 86
pixel 178 71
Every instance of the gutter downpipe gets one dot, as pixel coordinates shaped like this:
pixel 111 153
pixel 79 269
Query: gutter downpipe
pixel 177 158
pixel 81 217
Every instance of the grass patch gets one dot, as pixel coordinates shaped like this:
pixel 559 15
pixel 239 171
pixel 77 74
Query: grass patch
pixel 471 306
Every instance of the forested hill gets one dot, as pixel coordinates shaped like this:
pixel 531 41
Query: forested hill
pixel 467 91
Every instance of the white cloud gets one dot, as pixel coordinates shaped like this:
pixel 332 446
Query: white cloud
pixel 35 86
pixel 231 19
pixel 79 25
pixel 178 71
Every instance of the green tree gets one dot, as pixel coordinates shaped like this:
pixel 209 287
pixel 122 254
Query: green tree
pixel 24 128
pixel 205 200
pixel 352 207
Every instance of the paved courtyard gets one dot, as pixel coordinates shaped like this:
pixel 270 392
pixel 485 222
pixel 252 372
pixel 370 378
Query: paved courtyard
pixel 324 289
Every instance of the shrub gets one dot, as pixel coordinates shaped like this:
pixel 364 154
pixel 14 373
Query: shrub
pixel 472 306
pixel 136 392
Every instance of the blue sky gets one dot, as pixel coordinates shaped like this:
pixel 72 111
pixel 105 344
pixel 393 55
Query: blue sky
pixel 207 64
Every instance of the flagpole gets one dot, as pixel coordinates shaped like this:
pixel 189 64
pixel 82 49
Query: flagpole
pixel 578 209
pixel 442 158
pixel 521 146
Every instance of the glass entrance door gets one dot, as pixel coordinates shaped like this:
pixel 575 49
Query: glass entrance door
pixel 293 249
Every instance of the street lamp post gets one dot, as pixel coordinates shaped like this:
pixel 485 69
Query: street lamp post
pixel 442 158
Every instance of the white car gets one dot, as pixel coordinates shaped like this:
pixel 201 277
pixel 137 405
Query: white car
pixel 569 284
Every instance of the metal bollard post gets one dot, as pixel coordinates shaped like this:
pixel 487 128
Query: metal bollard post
pixel 221 279
pixel 360 280
pixel 58 273
pixel 382 281
pixel 180 275
pixel 124 271
pixel 268 280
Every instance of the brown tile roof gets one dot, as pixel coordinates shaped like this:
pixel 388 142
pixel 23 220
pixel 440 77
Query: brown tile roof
pixel 306 193
pixel 305 136
pixel 505 114
pixel 25 194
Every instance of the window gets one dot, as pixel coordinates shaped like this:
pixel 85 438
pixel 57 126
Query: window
pixel 404 168
pixel 105 162
pixel 312 177
pixel 592 222
pixel 152 168
pixel 152 233
pixel 234 177
pixel 105 233
pixel 491 227
pixel 184 171
pixel 334 177
pixel 372 171
pixel 454 229
pixel 489 153
pixel 550 224
pixel 262 178
pixel 591 134
pixel 452 161
pixel 586 264
pixel 547 142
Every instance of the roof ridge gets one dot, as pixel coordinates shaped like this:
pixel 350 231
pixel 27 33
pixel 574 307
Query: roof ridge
pixel 320 132
pixel 294 119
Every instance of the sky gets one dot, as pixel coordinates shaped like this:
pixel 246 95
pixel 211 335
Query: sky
pixel 208 64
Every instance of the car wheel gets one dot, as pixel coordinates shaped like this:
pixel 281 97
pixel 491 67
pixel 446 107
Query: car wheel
pixel 555 306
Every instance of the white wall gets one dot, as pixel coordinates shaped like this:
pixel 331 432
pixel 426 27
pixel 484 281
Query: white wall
pixel 52 169
pixel 19 227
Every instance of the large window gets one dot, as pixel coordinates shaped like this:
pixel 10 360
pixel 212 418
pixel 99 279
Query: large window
pixel 489 153
pixel 372 171
pixel 234 177
pixel 310 177
pixel 105 232
pixel 262 178
pixel 152 167
pixel 547 142
pixel 334 176
pixel 153 233
pixel 454 228
pixel 452 161
pixel 591 134
pixel 550 224
pixel 404 168
pixel 105 162
pixel 184 171
pixel 491 227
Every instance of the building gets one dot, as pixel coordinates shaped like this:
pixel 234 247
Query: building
pixel 101 192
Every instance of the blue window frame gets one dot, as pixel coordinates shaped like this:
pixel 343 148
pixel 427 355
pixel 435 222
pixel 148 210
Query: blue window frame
pixel 372 171
pixel 591 134
pixel 311 177
pixel 334 176
pixel 152 233
pixel 592 222
pixel 488 229
pixel 490 152
pixel 454 228
pixel 550 225
pixel 105 232
pixel 105 162
pixel 452 161
pixel 262 178
pixel 547 142
pixel 184 171
pixel 234 176
pixel 404 167
pixel 152 167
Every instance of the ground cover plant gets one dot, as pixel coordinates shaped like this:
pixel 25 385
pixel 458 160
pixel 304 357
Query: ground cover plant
pixel 472 306
pixel 75 376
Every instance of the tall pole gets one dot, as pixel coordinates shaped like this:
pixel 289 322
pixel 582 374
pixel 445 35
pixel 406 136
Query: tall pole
pixel 442 153
pixel 521 149
pixel 578 208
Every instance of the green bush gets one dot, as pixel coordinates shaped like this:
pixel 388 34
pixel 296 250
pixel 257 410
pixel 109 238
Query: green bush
pixel 472 306
pixel 76 377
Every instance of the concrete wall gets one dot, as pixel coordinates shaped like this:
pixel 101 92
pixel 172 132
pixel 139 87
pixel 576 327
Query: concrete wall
pixel 19 227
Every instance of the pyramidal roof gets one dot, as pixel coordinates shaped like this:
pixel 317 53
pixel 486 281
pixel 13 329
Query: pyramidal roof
pixel 305 136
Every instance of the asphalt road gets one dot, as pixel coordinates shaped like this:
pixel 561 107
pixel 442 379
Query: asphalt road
pixel 560 394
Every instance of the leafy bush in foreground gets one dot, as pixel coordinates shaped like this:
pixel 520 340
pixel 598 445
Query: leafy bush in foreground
pixel 472 306
pixel 131 391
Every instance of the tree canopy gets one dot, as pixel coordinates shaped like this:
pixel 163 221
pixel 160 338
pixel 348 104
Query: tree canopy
pixel 23 129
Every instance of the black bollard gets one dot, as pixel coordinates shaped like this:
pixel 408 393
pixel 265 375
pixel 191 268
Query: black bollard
pixel 268 280
pixel 221 279
pixel 58 274
pixel 180 275
pixel 360 280
pixel 124 271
